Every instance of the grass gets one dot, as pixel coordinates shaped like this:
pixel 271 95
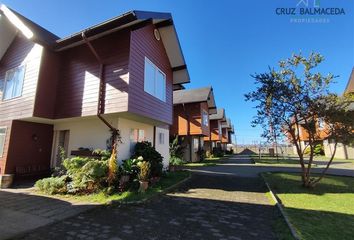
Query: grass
pixel 167 181
pixel 325 212
pixel 273 160
pixel 207 162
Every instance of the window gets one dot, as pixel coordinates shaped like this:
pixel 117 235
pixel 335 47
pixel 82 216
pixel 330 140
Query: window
pixel 320 123
pixel 14 82
pixel 205 118
pixel 136 135
pixel 2 140
pixel 154 81
pixel 161 138
pixel 195 144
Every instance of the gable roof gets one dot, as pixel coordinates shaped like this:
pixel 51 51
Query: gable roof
pixel 194 96
pixel 219 115
pixel 162 21
pixel 350 85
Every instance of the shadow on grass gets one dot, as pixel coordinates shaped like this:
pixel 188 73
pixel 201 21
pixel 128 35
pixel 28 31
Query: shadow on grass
pixel 291 183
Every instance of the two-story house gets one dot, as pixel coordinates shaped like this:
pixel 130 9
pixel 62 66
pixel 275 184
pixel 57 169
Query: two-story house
pixel 227 131
pixel 192 108
pixel 343 151
pixel 72 92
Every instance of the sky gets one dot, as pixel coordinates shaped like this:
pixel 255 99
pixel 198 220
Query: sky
pixel 224 42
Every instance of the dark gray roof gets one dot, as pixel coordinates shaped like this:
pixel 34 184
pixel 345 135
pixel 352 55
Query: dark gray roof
pixel 191 95
pixel 220 114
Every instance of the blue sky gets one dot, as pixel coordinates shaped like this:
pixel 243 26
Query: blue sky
pixel 223 41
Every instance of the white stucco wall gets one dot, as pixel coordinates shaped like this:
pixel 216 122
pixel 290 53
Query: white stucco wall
pixel 93 133
pixel 342 151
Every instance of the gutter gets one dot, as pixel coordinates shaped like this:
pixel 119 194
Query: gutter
pixel 101 91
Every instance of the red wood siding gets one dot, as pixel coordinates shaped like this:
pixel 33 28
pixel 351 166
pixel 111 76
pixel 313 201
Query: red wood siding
pixel 144 44
pixel 225 136
pixel 47 85
pixel 19 53
pixel 192 114
pixel 79 79
pixel 3 158
pixel 214 131
pixel 26 155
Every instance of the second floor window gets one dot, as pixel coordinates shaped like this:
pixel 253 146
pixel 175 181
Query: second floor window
pixel 205 118
pixel 154 80
pixel 14 82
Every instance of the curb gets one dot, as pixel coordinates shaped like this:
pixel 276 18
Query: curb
pixel 281 209
pixel 147 199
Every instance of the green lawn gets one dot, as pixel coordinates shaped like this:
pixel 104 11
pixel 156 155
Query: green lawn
pixel 207 162
pixel 273 160
pixel 168 180
pixel 325 212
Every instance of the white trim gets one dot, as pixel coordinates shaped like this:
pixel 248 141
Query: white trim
pixel 156 68
pixel 16 22
pixel 4 127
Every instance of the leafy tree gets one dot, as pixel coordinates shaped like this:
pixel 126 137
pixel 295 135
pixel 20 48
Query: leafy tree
pixel 295 96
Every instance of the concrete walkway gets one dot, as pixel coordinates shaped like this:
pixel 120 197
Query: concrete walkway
pixel 22 211
pixel 206 207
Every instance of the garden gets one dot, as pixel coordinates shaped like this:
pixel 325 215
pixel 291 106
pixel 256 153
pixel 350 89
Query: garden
pixel 101 179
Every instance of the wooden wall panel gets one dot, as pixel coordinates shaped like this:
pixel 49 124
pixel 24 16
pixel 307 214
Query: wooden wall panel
pixel 30 148
pixel 144 44
pixel 21 51
pixel 79 79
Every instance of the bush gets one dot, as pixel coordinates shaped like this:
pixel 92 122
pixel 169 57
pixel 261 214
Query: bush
pixel 149 154
pixel 318 150
pixel 130 167
pixel 52 185
pixel 218 152
pixel 87 174
pixel 176 161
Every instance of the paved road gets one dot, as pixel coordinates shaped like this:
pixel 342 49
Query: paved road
pixel 242 166
pixel 207 207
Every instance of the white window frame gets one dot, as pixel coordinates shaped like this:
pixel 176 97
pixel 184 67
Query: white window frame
pixel 6 79
pixel 161 138
pixel 147 60
pixel 3 146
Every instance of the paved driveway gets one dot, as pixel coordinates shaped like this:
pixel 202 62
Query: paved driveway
pixel 22 211
pixel 207 207
pixel 242 166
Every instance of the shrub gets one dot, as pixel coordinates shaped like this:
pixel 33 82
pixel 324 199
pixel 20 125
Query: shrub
pixel 176 149
pixel 218 152
pixel 149 154
pixel 176 161
pixel 318 150
pixel 87 174
pixel 130 167
pixel 144 171
pixel 52 185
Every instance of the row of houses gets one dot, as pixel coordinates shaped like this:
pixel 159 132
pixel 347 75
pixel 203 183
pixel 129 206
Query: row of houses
pixel 127 74
pixel 343 151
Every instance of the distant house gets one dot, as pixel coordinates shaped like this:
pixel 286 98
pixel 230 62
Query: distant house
pixel 71 92
pixel 191 119
pixel 227 131
pixel 343 151
pixel 214 139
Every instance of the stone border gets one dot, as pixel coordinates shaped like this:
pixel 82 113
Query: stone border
pixel 147 199
pixel 281 209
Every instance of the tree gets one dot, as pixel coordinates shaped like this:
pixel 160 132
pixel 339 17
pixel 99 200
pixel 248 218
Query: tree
pixel 295 95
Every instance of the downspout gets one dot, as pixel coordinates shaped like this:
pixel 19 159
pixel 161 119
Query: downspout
pixel 101 90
